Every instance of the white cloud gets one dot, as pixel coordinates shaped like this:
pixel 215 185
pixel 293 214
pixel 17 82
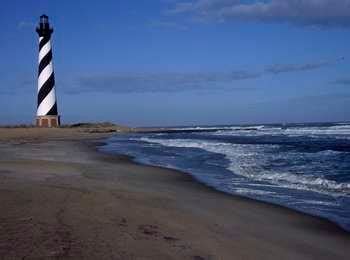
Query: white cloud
pixel 323 13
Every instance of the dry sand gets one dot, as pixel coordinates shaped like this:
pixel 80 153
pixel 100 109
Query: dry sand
pixel 60 198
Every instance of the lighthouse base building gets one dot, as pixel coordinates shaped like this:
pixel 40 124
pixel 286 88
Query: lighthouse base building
pixel 47 113
pixel 48 121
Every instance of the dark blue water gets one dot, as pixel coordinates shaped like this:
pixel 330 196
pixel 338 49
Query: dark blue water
pixel 302 166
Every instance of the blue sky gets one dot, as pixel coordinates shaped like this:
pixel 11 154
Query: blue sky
pixel 169 62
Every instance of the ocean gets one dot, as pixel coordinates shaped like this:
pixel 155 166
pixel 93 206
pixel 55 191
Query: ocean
pixel 305 167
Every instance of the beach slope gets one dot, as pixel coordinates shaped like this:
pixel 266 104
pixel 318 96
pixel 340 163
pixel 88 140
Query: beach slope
pixel 59 197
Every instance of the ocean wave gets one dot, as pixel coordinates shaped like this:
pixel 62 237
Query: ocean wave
pixel 223 128
pixel 338 131
pixel 318 131
pixel 303 182
pixel 328 152
pixel 317 202
pixel 247 161
pixel 341 126
pixel 333 131
pixel 247 128
pixel 245 191
pixel 199 128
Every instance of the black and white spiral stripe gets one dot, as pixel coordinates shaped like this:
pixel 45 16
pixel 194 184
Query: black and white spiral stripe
pixel 46 80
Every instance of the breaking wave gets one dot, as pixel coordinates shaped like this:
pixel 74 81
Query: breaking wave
pixel 301 166
pixel 245 160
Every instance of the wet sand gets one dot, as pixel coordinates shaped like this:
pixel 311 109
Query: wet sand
pixel 60 198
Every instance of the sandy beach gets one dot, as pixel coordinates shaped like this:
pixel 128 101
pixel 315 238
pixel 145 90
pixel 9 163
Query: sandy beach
pixel 61 198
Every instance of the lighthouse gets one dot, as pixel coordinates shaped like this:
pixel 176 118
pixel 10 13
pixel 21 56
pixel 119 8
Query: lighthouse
pixel 47 114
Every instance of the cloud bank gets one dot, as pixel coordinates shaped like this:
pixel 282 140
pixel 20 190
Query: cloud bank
pixel 161 82
pixel 342 81
pixel 320 13
pixel 180 82
pixel 284 68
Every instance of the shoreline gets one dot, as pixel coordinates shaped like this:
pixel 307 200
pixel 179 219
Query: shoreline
pixel 133 160
pixel 61 197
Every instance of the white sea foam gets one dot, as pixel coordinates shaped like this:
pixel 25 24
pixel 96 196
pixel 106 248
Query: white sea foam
pixel 328 152
pixel 333 130
pixel 341 127
pixel 303 182
pixel 199 128
pixel 340 131
pixel 223 128
pixel 317 202
pixel 253 191
pixel 247 160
